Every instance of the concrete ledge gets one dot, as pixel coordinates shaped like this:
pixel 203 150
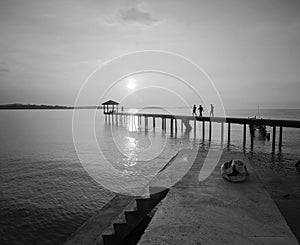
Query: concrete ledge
pixel 217 212
pixel 89 232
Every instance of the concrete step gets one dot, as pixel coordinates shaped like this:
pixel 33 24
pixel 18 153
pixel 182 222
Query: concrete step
pixel 145 205
pixel 133 216
pixel 121 230
pixel 109 239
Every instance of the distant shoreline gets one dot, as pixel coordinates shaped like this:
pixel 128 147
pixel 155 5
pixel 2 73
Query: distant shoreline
pixel 44 107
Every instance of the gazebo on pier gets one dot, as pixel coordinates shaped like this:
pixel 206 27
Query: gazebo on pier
pixel 110 106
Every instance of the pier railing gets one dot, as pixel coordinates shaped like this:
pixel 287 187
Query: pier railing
pixel 185 120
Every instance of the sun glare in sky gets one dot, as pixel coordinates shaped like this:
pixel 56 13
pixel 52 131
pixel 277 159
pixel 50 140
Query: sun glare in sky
pixel 131 83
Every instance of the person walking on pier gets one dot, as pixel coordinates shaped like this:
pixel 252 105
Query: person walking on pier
pixel 194 110
pixel 211 110
pixel 200 110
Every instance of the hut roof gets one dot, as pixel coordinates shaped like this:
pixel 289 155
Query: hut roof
pixel 110 102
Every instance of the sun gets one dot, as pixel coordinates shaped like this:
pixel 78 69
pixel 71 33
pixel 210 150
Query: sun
pixel 131 83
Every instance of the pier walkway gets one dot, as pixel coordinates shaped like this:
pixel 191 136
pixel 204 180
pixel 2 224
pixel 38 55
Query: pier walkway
pixel 217 212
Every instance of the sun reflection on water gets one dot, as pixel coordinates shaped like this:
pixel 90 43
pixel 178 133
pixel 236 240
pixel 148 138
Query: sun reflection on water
pixel 130 151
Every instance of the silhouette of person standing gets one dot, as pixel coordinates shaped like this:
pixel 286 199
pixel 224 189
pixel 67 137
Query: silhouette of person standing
pixel 194 110
pixel 200 110
pixel 211 110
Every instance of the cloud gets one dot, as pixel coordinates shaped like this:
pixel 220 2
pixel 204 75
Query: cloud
pixel 3 69
pixel 134 15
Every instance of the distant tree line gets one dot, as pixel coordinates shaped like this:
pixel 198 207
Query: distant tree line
pixel 43 107
pixel 32 106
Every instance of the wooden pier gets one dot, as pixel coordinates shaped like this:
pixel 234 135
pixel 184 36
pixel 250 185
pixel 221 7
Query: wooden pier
pixel 187 121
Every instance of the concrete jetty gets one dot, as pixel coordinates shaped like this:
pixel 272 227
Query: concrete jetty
pixel 217 212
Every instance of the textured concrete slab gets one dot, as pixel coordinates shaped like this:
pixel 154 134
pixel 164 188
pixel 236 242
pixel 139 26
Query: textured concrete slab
pixel 217 212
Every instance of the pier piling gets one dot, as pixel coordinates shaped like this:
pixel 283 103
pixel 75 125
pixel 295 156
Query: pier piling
pixel 163 124
pixel 136 118
pixel 251 139
pixel 153 121
pixel 273 139
pixel 222 133
pixel 244 136
pixel 146 123
pixel 203 130
pixel 209 130
pixel 280 138
pixel 228 136
pixel 181 126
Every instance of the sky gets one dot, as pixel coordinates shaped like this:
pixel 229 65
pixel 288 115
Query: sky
pixel 249 48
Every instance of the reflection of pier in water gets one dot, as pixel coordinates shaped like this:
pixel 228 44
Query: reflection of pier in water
pixel 137 118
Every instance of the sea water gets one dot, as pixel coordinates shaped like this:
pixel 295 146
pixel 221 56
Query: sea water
pixel 46 194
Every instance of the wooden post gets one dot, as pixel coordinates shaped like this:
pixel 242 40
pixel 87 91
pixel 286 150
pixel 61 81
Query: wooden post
pixel 273 139
pixel 229 129
pixel 195 127
pixel 136 123
pixel 163 124
pixel 209 130
pixel 252 131
pixel 280 138
pixel 222 133
pixel 203 130
pixel 146 123
pixel 153 120
pixel 244 135
pixel 175 126
pixel 181 125
pixel 171 125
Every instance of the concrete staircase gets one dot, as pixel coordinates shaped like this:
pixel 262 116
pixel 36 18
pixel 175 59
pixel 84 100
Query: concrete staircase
pixel 131 217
